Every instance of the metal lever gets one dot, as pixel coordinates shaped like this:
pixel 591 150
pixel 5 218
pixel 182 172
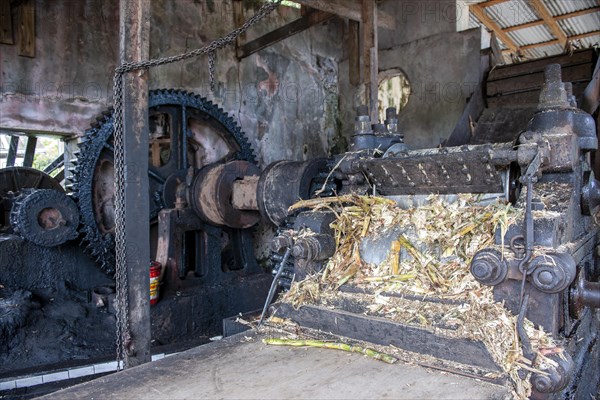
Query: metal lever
pixel 271 293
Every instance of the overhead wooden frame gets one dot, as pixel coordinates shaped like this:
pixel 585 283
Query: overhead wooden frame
pixel 351 9
pixel 546 18
pixel 310 18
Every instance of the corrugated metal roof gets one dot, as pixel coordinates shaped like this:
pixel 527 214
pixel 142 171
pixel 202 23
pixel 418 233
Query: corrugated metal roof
pixel 560 7
pixel 473 21
pixel 534 34
pixel 511 13
pixel 581 24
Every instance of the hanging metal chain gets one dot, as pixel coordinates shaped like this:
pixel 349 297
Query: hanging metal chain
pixel 211 70
pixel 122 299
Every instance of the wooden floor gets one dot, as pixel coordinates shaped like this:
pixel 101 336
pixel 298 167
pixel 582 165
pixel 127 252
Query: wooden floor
pixel 242 367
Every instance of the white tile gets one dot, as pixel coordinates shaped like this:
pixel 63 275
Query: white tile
pixel 105 367
pixel 83 371
pixel 31 381
pixel 56 376
pixel 158 356
pixel 7 385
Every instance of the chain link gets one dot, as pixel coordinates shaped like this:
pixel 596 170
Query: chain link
pixel 122 298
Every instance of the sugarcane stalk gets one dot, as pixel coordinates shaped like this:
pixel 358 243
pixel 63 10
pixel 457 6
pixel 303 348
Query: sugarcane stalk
pixel 395 257
pixel 349 198
pixel 390 278
pixel 331 345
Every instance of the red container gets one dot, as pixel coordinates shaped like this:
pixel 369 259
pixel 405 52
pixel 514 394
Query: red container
pixel 155 268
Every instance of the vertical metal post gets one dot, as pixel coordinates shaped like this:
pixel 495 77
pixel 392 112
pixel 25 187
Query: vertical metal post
pixel 29 151
pixel 13 148
pixel 370 45
pixel 134 24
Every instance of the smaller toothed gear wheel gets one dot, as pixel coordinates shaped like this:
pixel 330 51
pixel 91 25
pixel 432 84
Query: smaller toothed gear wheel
pixel 45 217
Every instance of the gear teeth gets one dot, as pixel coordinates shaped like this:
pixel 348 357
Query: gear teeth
pixel 96 142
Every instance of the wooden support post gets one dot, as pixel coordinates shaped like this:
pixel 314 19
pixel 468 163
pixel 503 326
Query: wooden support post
pixel 354 52
pixel 369 54
pixel 11 157
pixel 29 151
pixel 134 24
pixel 27 28
pixel 6 29
pixel 238 17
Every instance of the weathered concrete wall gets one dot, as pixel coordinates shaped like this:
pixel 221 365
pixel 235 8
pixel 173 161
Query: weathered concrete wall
pixel 418 19
pixel 443 70
pixel 285 97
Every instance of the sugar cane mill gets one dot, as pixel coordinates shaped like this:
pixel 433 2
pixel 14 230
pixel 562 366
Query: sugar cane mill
pixel 364 217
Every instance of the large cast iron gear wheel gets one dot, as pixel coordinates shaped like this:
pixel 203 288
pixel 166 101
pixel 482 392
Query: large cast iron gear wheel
pixel 45 217
pixel 211 136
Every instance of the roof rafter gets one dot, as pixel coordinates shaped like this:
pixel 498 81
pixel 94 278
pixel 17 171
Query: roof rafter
pixel 556 41
pixel 558 18
pixel 481 15
pixel 543 12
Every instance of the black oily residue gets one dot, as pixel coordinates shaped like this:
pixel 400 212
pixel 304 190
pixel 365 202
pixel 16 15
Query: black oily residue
pixel 45 312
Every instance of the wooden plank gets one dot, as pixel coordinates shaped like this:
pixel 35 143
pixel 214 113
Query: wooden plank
pixel 578 57
pixel 385 332
pixel 134 43
pixel 545 14
pixel 6 28
pixel 575 73
pixel 490 3
pixel 27 28
pixel 493 26
pixel 350 9
pixel 310 19
pixel 369 54
pixel 529 97
pixel 354 52
pixel 524 26
pixel 556 41
pixel 577 13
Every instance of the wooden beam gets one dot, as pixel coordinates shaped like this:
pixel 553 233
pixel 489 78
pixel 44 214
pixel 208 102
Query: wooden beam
pixel 350 9
pixel 493 26
pixel 27 28
pixel 524 26
pixel 6 29
pixel 354 52
pixel 238 17
pixel 577 13
pixel 369 53
pixel 558 18
pixel 549 20
pixel 311 18
pixel 490 3
pixel 133 247
pixel 556 41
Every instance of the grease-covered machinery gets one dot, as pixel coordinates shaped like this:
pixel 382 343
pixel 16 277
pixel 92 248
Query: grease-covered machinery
pixel 547 271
